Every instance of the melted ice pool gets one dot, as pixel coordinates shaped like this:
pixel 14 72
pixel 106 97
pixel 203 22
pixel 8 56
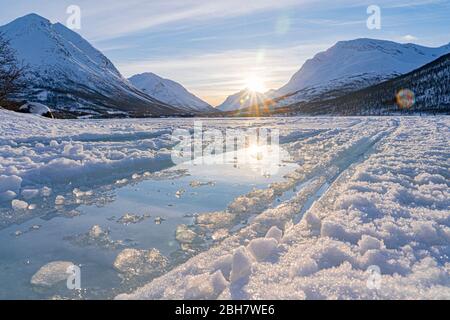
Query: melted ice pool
pixel 91 231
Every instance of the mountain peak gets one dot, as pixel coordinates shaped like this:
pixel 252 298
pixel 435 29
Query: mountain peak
pixel 365 44
pixel 169 91
pixel 148 74
pixel 31 18
pixel 243 99
pixel 358 63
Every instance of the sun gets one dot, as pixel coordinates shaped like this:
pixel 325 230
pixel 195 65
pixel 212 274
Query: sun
pixel 255 84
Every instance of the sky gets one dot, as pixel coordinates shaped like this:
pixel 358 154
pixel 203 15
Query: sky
pixel 216 48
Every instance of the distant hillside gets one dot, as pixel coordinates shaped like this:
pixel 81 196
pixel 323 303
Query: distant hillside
pixel 170 92
pixel 430 85
pixel 68 74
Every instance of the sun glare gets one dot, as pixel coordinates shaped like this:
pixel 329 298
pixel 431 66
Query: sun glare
pixel 255 84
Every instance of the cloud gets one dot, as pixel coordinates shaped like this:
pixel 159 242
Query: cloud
pixel 142 15
pixel 409 38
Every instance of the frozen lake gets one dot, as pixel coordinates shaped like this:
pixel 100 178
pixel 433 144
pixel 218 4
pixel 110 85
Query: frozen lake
pixel 348 196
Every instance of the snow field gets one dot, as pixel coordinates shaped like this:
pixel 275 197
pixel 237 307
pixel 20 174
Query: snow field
pixel 387 207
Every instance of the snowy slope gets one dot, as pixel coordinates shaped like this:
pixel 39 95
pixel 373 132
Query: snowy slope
pixel 169 91
pixel 355 64
pixel 66 72
pixel 243 99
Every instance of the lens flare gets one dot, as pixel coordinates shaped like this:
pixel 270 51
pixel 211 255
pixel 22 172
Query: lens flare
pixel 405 99
pixel 255 84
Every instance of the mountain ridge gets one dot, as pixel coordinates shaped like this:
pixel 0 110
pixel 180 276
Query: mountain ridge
pixel 169 91
pixel 67 73
pixel 427 89
pixel 349 66
pixel 242 99
pixel 360 63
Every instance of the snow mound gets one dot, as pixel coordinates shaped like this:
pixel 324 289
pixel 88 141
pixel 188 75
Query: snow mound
pixel 205 286
pixel 274 233
pixel 51 274
pixel 19 205
pixel 37 109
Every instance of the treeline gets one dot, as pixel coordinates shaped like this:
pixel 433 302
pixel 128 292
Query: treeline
pixel 11 72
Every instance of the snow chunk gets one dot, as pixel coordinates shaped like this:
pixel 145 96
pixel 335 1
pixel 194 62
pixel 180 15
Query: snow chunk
pixel 129 218
pixel 28 194
pixel 184 234
pixel 333 229
pixel 10 183
pixel 275 233
pixel 242 265
pixel 80 194
pixel 205 286
pixel 46 192
pixel 122 181
pixel 224 264
pixel 134 262
pixel 425 231
pixel 19 205
pixel 8 195
pixel 220 234
pixel 262 248
pixel 60 200
pixel 96 232
pixel 51 274
pixel 215 220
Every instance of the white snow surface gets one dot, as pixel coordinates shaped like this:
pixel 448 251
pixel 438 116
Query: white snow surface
pixel 169 91
pixel 377 195
pixel 36 108
pixel 369 192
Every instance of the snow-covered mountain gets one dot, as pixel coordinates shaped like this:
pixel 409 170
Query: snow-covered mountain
pixel 169 91
pixel 349 66
pixel 241 100
pixel 355 64
pixel 428 86
pixel 67 73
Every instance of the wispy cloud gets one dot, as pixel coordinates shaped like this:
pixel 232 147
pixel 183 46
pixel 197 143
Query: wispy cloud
pixel 143 15
pixel 409 38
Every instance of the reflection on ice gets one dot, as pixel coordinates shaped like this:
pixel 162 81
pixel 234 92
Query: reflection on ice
pixel 107 228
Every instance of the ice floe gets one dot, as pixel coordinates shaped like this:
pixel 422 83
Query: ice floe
pixel 51 274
